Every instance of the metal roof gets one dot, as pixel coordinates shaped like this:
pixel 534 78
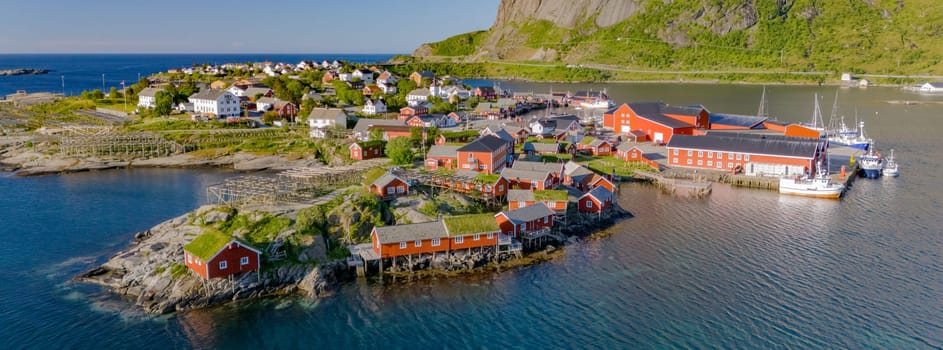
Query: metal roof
pixel 600 193
pixel 410 232
pixel 573 169
pixel 149 92
pixel 484 144
pixel 511 173
pixel 652 111
pixel 538 166
pixel 384 180
pixel 520 195
pixel 528 213
pixel 541 147
pixel 364 123
pixel 691 110
pixel 754 145
pixel 747 121
pixel 208 94
pixel 443 151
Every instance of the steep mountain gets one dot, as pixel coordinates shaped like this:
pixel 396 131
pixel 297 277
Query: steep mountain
pixel 874 36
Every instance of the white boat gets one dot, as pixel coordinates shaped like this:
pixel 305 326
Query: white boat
pixel 820 185
pixel 890 166
pixel 871 163
pixel 598 103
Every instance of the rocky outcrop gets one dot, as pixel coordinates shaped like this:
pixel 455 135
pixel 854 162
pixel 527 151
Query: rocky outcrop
pixel 23 71
pixel 151 274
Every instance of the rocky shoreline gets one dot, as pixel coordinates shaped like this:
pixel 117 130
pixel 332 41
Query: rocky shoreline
pixel 23 71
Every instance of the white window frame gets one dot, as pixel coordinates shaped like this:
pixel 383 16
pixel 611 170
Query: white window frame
pixel 223 265
pixel 710 154
pixel 710 163
pixel 244 261
pixel 459 240
pixel 490 235
pixel 521 204
pixel 720 165
pixel 729 156
pixel 739 156
pixel 700 153
pixel 730 165
pixel 676 151
pixel 400 189
pixel 436 242
pixel 402 245
pixel 589 203
pixel 417 243
pixel 690 153
pixel 690 161
pixel 390 190
pixel 746 157
pixel 476 237
pixel 189 259
pixel 700 162
pixel 720 155
pixel 675 160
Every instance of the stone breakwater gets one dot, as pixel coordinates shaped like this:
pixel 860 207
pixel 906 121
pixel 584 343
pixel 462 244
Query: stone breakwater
pixel 23 71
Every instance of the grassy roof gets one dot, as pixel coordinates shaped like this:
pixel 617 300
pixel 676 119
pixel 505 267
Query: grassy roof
pixel 587 140
pixel 371 143
pixel 457 134
pixel 207 244
pixel 550 195
pixel 372 175
pixel 470 224
pixel 487 178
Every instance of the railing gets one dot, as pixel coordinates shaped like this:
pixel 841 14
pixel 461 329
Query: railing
pixel 535 234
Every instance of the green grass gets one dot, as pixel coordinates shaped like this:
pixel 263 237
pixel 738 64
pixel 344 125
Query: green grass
pixel 178 270
pixel 459 45
pixel 555 158
pixel 487 178
pixel 606 164
pixel 207 244
pixel 372 175
pixel 471 134
pixel 550 195
pixel 470 224
pixel 587 140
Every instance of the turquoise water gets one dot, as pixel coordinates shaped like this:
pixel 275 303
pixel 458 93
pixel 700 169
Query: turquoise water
pixel 739 269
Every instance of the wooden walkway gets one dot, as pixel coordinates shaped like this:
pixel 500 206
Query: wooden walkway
pixel 694 187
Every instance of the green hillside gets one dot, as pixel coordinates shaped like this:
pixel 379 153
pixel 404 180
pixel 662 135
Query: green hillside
pixel 901 37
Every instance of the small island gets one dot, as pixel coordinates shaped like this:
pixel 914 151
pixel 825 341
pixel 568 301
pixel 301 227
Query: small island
pixel 23 71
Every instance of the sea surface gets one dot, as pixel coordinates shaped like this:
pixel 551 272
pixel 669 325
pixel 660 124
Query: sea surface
pixel 84 71
pixel 739 269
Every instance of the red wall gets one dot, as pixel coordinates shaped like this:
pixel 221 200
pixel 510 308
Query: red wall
pixel 382 191
pixel 795 130
pixel 494 162
pixel 681 159
pixel 597 206
pixel 231 254
pixel 470 242
pixel 371 152
pixel 621 116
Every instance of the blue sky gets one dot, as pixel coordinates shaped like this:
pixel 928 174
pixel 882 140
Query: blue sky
pixel 235 26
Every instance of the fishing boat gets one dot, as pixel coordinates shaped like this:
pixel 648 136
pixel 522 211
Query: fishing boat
pixel 592 99
pixel 871 163
pixel 890 166
pixel 820 185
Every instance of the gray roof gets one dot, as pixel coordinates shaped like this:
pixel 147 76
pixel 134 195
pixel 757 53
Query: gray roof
pixel 443 151
pixel 500 133
pixel 484 144
pixel 742 144
pixel 364 123
pixel 335 114
pixel 208 94
pixel 149 92
pixel 599 192
pixel 652 111
pixel 598 142
pixel 573 169
pixel 691 110
pixel 936 85
pixel 420 92
pixel 529 213
pixel 384 180
pixel 410 232
pixel 511 173
pixel 267 100
pixel 520 195
pixel 538 166
pixel 252 91
pixel 746 121
pixel 625 146
pixel 541 147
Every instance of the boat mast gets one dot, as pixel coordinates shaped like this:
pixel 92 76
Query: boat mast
pixel 831 118
pixel 763 113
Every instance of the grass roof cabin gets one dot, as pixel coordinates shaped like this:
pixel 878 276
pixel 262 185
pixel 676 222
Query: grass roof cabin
pixel 464 225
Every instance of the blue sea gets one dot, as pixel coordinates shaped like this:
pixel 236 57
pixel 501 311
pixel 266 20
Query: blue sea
pixel 84 71
pixel 739 269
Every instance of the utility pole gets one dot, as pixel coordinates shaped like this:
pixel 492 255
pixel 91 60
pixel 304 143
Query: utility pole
pixel 63 85
pixel 103 82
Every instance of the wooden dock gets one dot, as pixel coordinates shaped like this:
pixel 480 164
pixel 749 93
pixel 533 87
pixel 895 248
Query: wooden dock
pixel 695 187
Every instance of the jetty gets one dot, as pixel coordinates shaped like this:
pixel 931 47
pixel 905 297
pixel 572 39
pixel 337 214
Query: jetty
pixel 695 186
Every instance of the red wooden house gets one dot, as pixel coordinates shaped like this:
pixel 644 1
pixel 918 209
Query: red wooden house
pixel 556 200
pixel 442 156
pixel 456 137
pixel 766 155
pixel 554 169
pixel 531 218
pixel 487 154
pixel 389 186
pixel 631 153
pixel 528 179
pixel 471 231
pixel 366 150
pixel 214 254
pixel 594 146
pixel 408 112
pixel 402 240
pixel 618 119
pixel 486 92
pixel 658 128
pixel 595 201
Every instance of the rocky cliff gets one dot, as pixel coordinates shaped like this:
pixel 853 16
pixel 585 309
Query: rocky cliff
pixel 864 35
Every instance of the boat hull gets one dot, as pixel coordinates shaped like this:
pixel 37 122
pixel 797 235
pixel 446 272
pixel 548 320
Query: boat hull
pixel 871 173
pixel 891 172
pixel 813 194
pixel 805 188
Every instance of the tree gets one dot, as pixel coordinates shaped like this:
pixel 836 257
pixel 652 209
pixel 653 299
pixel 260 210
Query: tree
pixel 400 150
pixel 164 103
pixel 113 93
pixel 96 94
pixel 269 117
pixel 375 134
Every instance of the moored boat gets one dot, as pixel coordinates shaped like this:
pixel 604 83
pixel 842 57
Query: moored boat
pixel 820 185
pixel 871 163
pixel 890 166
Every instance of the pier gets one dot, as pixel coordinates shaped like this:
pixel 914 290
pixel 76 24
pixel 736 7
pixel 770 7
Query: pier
pixel 697 186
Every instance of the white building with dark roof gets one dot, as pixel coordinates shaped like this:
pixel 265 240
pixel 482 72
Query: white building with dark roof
pixel 220 103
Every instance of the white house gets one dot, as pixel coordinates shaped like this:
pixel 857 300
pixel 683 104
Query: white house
pixel 345 76
pixel 365 75
pixel 417 97
pixel 269 70
pixel 372 107
pixel 221 103
pixel 455 90
pixel 320 120
pixel 931 87
pixel 387 88
pixel 265 104
pixel 147 98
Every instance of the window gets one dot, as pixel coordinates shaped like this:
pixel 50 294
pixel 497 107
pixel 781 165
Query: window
pixel 466 166
pixel 390 190
pixel 400 189
pixel 222 265
pixel 189 259
pixel 675 160
pixel 738 156
pixel 700 153
pixel 634 155
pixel 436 242
pixel 710 154
pixel 477 237
pixel 720 165
pixel 500 187
pixel 690 162
pixel 490 235
pixel 676 151
pixel 402 245
pixel 482 167
pixel 746 157
pixel 720 155
pixel 710 163
pixel 546 219
pixel 244 260
pixel 730 165
pixel 729 155
pixel 417 243
pixel 589 204
pixel 700 162
pixel 521 204
pixel 459 240
pixel 690 153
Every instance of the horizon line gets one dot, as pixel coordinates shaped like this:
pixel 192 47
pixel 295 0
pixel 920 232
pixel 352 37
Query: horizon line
pixel 201 53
